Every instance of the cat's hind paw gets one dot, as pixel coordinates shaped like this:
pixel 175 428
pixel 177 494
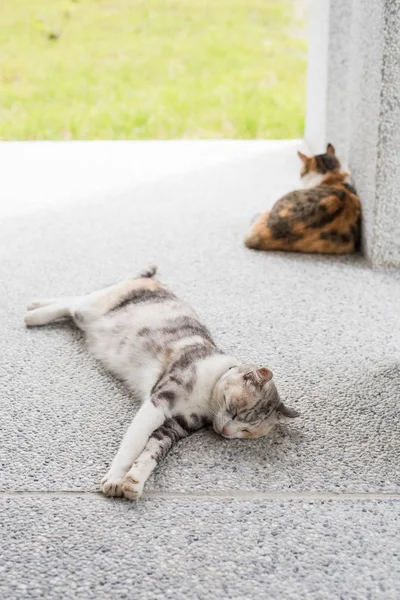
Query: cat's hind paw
pixel 37 304
pixel 111 486
pixel 132 486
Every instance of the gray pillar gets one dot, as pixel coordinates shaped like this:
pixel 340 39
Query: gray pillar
pixel 355 73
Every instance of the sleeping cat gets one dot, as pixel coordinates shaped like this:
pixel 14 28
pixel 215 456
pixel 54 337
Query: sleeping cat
pixel 155 343
pixel 324 217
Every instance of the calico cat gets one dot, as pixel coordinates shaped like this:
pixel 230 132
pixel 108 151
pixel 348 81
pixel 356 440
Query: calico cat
pixel 156 344
pixel 324 217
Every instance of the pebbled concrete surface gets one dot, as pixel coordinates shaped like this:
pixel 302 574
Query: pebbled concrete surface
pixel 87 547
pixel 327 327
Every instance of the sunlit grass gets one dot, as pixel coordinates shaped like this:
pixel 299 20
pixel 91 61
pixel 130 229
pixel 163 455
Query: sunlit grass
pixel 139 69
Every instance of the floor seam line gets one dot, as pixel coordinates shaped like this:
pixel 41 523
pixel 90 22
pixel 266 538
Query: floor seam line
pixel 213 495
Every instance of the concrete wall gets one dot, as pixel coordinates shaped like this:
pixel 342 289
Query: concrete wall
pixel 358 65
pixel 317 73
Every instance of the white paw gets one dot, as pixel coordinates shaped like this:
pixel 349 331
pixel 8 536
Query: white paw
pixel 111 485
pixel 31 318
pixel 36 304
pixel 132 485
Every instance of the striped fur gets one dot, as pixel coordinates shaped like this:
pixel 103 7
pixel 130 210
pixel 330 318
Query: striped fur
pixel 154 342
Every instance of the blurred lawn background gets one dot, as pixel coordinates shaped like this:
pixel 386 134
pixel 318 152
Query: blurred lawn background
pixel 152 69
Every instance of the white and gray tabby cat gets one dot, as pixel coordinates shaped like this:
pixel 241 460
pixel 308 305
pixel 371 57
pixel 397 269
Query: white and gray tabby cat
pixel 155 343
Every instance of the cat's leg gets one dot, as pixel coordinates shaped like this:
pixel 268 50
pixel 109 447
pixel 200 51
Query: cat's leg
pixel 88 308
pixel 47 313
pixel 254 237
pixel 158 446
pixel 41 302
pixel 83 309
pixel 260 236
pixel 148 418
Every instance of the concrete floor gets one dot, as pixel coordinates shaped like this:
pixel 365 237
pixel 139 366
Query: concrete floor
pixel 311 512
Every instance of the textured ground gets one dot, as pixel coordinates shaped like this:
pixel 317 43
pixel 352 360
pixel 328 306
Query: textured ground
pixel 313 511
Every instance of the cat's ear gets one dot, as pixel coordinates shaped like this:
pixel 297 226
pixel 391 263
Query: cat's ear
pixel 303 157
pixel 263 375
pixel 330 149
pixel 259 376
pixel 285 414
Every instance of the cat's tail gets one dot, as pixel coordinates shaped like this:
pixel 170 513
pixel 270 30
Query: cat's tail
pixel 149 272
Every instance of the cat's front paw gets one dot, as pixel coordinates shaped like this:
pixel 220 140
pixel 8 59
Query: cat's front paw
pixel 132 485
pixel 111 485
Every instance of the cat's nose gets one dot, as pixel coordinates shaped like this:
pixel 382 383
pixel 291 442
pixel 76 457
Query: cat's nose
pixel 226 430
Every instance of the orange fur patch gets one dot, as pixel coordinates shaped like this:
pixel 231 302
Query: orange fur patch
pixel 261 237
pixel 285 212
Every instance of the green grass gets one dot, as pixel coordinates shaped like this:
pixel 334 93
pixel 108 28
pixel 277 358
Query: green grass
pixel 151 69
